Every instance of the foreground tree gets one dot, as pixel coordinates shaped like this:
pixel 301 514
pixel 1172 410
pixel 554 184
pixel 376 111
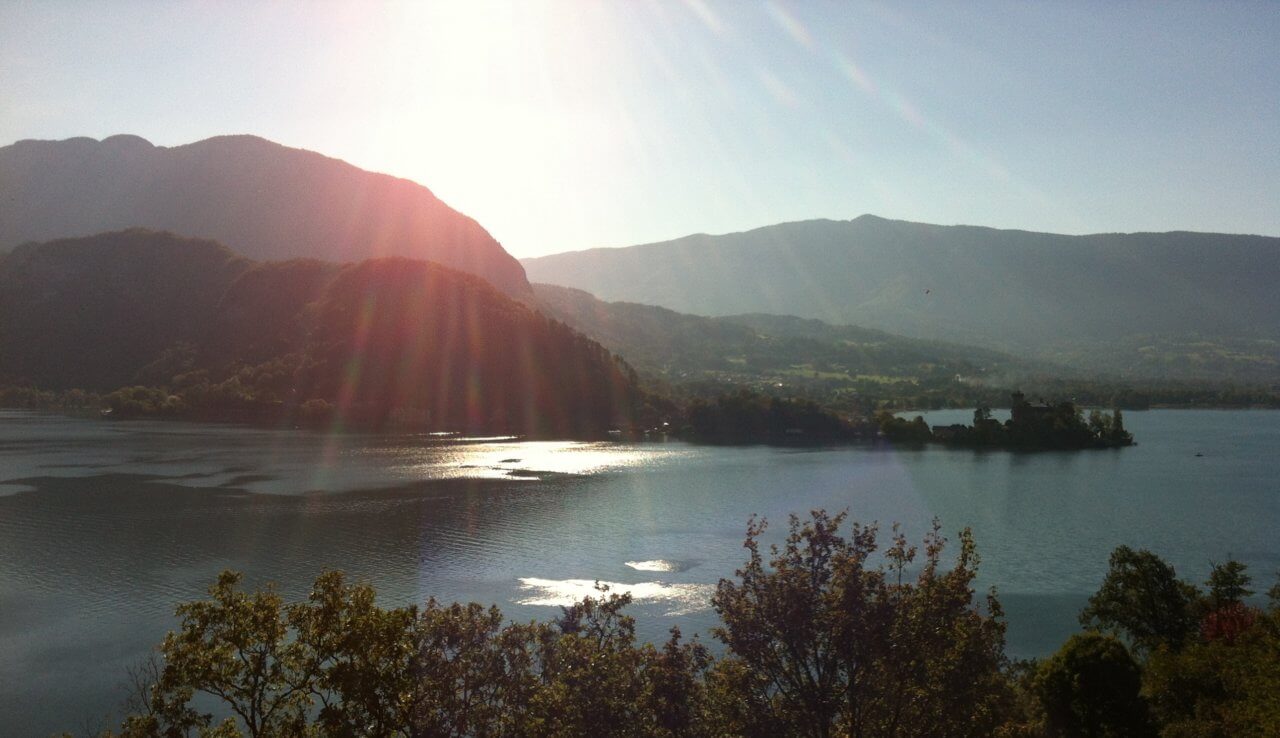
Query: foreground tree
pixel 1210 662
pixel 337 664
pixel 822 643
pixel 595 680
pixel 1226 682
pixel 1142 599
pixel 1220 686
pixel 1228 584
pixel 1090 688
pixel 234 647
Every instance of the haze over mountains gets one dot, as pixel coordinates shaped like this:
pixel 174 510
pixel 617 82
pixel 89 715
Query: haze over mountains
pixel 1153 303
pixel 263 200
pixel 749 349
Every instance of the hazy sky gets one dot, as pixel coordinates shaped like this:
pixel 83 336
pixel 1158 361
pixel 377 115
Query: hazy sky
pixel 582 123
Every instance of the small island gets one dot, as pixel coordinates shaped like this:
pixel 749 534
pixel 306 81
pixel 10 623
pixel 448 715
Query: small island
pixel 1033 426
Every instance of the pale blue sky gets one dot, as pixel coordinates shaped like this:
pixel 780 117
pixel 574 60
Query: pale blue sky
pixel 568 125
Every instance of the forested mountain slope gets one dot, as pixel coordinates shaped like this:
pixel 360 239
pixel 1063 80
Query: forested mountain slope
pixel 681 346
pixel 377 339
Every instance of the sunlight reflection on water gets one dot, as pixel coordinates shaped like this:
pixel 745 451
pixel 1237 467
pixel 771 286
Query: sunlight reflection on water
pixel 561 457
pixel 659 565
pixel 683 599
pixel 525 461
pixel 295 463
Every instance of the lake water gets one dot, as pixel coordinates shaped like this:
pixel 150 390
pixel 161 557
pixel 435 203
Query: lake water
pixel 104 526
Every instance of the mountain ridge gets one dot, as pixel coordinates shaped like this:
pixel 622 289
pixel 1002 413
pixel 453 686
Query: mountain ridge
pixel 263 199
pixel 1034 294
pixel 872 218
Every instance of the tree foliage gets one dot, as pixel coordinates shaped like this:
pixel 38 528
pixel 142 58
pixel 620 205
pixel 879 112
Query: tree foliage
pixel 821 642
pixel 818 642
pixel 825 634
pixel 746 416
pixel 1228 584
pixel 1210 661
pixel 901 430
pixel 1090 688
pixel 1142 599
pixel 1221 686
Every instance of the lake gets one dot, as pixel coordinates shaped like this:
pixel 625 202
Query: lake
pixel 105 526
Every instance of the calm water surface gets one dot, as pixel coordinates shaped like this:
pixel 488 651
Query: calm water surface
pixel 105 526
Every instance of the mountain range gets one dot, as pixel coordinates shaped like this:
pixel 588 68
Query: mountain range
pixel 261 199
pixel 807 304
pixel 1142 304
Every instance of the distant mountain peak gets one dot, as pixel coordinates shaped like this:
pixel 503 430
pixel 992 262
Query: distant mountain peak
pixel 127 139
pixel 250 140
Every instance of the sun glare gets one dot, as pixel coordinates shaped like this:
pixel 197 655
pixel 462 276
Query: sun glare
pixel 489 98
